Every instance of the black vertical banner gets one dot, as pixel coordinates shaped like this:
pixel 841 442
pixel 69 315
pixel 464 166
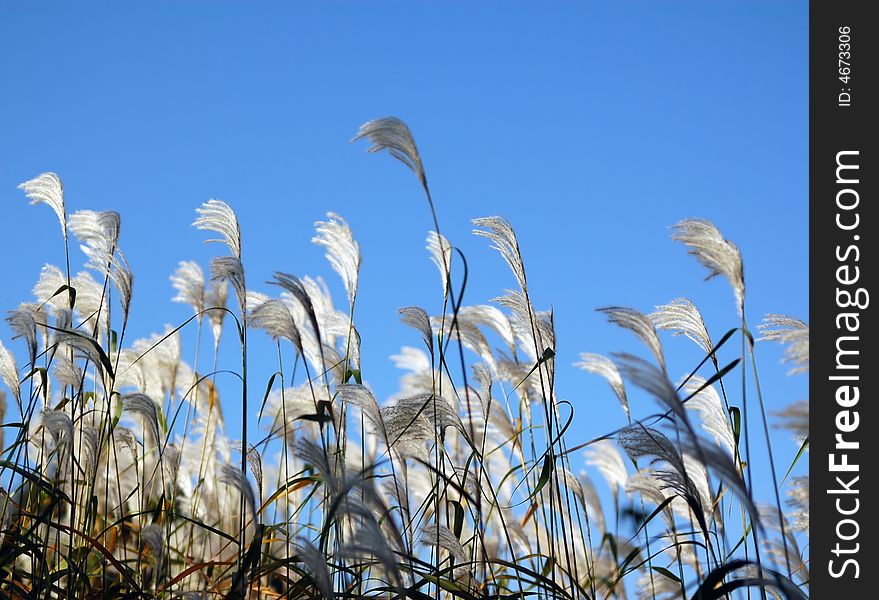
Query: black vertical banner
pixel 844 225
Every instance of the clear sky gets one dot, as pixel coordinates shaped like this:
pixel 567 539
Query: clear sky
pixel 592 126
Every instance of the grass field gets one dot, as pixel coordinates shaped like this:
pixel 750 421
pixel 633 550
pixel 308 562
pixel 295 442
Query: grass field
pixel 120 478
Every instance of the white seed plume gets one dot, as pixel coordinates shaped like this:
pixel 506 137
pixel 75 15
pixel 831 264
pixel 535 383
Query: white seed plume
pixel 604 456
pixel 315 564
pixel 123 279
pixel 603 366
pixel 442 537
pixel 27 322
pixel 98 233
pixel 254 462
pixel 417 318
pixel 681 317
pixel 592 503
pixel 709 405
pixel 230 270
pixel 274 317
pixel 639 441
pixel 216 296
pixel 393 135
pixel 189 282
pixel 297 288
pixel 652 380
pixel 9 373
pixel 153 537
pixel 361 397
pixel 441 255
pixel 723 465
pixel 795 418
pixel 799 498
pixel 48 189
pixel 58 424
pixel 491 317
pixel 499 231
pixel 217 216
pixel 639 324
pixel 235 478
pixel 534 330
pixel 343 252
pixel 791 332
pixel 717 254
pixel 144 407
pixel 66 371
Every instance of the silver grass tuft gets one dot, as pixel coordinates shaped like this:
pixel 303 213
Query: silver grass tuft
pixel 217 216
pixel 153 537
pixel 468 333
pixel 603 366
pixel 591 502
pixel 639 441
pixel 123 279
pixel 315 564
pixel 534 330
pixel 714 418
pixel 489 316
pixel 235 478
pixel 59 425
pixel 315 456
pixel 124 438
pixel 791 332
pixel 230 269
pixel 24 322
pixel 393 135
pixel 795 418
pixel 503 238
pixel 48 189
pixel 98 232
pixel 343 252
pixel 639 324
pixel 254 461
pixel 297 289
pixel 440 536
pixel 649 488
pixel 799 499
pixel 9 373
pixel 88 447
pixel 604 456
pixel 723 465
pixel 717 254
pixel 646 376
pixel 361 397
pixel 274 317
pixel 144 407
pixel 681 317
pixel 83 347
pixel 369 540
pixel 216 296
pixel 441 255
pixel 417 318
pixel 189 282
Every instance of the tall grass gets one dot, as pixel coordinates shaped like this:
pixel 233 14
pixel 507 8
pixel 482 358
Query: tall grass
pixel 119 477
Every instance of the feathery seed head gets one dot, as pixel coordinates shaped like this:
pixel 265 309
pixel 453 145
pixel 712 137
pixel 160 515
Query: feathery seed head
pixel 717 254
pixel 393 135
pixel 343 252
pixel 217 216
pixel 603 366
pixel 48 189
pixel 681 317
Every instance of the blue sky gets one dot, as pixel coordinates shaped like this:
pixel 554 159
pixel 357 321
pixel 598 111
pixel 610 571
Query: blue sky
pixel 591 126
